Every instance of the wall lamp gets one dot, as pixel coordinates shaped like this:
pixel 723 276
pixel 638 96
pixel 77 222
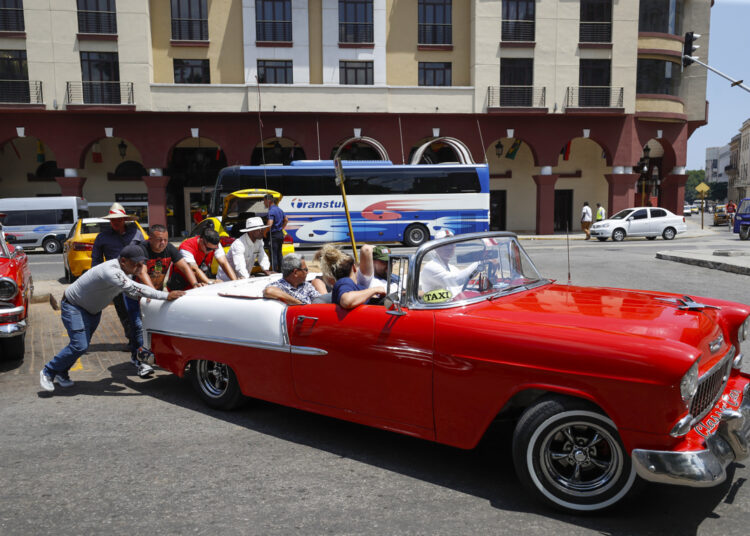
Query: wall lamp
pixel 21 131
pixel 122 148
pixel 357 132
pixel 510 133
pixel 279 132
pixel 194 132
pixel 435 132
pixel 108 131
pixel 586 132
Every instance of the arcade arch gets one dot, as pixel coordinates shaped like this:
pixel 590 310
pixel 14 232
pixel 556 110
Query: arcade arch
pixel 275 150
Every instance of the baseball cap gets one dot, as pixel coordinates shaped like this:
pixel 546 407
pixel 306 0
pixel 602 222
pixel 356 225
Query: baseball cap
pixel 133 252
pixel 444 233
pixel 380 253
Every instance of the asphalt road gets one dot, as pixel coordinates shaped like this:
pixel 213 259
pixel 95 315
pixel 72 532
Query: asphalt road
pixel 121 455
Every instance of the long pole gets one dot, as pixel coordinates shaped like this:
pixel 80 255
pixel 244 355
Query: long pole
pixel 340 180
pixel 737 83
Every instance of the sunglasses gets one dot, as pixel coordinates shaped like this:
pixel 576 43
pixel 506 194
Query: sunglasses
pixel 304 269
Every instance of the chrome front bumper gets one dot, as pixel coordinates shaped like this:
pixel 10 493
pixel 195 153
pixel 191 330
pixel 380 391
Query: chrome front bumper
pixel 13 329
pixel 701 468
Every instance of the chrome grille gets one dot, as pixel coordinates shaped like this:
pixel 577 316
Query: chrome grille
pixel 711 385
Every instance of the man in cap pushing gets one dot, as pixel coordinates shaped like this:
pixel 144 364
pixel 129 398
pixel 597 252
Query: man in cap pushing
pixel 82 304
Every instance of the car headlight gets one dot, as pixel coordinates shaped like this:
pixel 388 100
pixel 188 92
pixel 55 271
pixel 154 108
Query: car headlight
pixel 8 288
pixel 689 383
pixel 744 331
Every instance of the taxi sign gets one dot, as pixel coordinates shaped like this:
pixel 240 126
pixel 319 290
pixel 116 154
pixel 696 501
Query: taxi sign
pixel 702 188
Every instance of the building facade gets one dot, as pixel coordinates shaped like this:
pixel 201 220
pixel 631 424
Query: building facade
pixel 145 100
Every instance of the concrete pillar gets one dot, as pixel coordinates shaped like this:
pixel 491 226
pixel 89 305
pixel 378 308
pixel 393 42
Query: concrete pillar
pixel 545 203
pixel 621 191
pixel 673 192
pixel 70 185
pixel 156 186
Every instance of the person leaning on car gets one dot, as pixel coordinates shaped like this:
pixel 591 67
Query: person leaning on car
pixel 199 252
pixel 82 304
pixel 160 257
pixel 246 250
pixel 108 245
pixel 293 287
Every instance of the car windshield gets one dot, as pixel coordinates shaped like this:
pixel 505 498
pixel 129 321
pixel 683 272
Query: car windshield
pixel 94 227
pixel 4 249
pixel 744 206
pixel 623 214
pixel 246 208
pixel 460 270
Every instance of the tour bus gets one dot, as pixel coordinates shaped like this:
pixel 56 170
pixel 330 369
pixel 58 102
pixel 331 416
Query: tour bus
pixel 387 202
pixel 32 222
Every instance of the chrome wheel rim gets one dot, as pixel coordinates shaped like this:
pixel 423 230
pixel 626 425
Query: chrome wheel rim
pixel 580 458
pixel 669 234
pixel 213 378
pixel 416 235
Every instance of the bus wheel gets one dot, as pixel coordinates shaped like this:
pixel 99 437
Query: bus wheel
pixel 51 245
pixel 416 235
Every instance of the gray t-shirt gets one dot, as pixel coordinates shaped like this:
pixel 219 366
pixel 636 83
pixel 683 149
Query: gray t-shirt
pixel 95 289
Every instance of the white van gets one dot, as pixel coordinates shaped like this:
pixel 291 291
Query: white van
pixel 33 222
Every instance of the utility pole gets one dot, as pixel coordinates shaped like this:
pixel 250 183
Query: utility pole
pixel 688 59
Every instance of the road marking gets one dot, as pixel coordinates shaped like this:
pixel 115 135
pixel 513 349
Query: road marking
pixel 78 365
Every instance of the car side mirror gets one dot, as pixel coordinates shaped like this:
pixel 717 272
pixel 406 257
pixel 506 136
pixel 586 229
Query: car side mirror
pixel 396 286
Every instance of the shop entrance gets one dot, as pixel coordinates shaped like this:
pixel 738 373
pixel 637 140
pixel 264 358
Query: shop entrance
pixel 498 200
pixel 563 210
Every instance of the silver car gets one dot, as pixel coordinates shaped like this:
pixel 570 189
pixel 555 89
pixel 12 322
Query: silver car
pixel 640 221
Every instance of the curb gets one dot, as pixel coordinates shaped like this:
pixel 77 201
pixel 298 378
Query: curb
pixel 705 263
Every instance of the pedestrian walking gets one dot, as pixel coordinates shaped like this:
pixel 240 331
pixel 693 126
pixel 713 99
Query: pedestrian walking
pixel 586 219
pixel 601 214
pixel 82 304
pixel 277 220
pixel 108 245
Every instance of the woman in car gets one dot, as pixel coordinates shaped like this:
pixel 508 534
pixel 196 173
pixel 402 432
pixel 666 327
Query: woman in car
pixel 346 292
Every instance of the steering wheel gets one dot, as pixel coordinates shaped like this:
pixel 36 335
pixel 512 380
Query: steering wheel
pixel 481 267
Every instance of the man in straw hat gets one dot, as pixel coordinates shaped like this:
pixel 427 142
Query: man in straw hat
pixel 246 250
pixel 108 245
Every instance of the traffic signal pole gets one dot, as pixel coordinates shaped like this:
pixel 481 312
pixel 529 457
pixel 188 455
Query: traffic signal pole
pixel 689 47
pixel 734 82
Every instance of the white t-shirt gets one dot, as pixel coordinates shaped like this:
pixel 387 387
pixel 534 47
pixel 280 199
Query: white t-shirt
pixel 586 213
pixel 242 256
pixel 438 274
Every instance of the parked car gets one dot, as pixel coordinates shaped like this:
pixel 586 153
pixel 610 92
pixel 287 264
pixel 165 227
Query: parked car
pixel 696 209
pixel 602 385
pixel 640 221
pixel 238 207
pixel 720 215
pixel 42 222
pixel 742 219
pixel 79 245
pixel 16 288
pixel 687 210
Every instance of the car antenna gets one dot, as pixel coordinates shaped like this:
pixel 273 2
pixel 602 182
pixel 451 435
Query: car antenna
pixel 567 241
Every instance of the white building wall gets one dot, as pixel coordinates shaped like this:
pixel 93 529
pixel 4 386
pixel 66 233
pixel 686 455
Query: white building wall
pixel 712 163
pixel 725 154
pixel 299 53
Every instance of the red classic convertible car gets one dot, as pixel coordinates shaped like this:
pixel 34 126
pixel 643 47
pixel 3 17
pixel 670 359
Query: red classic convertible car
pixel 604 385
pixel 15 295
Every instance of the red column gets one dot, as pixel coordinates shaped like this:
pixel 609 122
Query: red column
pixel 157 199
pixel 621 190
pixel 545 203
pixel 673 192
pixel 71 186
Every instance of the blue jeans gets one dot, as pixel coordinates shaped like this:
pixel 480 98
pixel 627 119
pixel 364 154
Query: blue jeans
pixel 133 308
pixel 81 326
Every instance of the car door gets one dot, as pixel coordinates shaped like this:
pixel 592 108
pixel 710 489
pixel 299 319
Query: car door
pixel 638 223
pixel 659 221
pixel 375 364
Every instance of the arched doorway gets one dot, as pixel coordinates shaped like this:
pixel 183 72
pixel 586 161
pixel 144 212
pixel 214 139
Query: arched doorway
pixel 277 151
pixel 28 168
pixel 359 148
pixel 438 152
pixel 649 166
pixel 194 164
pixel 512 188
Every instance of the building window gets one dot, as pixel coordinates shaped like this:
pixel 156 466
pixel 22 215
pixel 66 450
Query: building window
pixel 273 20
pixel 435 26
pixel 100 72
pixel 274 72
pixel 11 16
pixel 658 77
pixel 516 81
pixel 518 20
pixel 192 72
pixel 594 80
pixel 596 21
pixel 434 73
pixel 662 16
pixel 355 73
pixel 189 20
pixel 97 16
pixel 14 76
pixel 355 21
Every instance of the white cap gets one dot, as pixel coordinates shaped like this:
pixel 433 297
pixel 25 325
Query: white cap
pixel 444 233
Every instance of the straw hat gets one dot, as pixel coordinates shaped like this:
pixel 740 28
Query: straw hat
pixel 116 211
pixel 252 224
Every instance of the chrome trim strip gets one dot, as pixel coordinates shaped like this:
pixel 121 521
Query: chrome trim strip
pixel 737 363
pixel 13 311
pixel 703 468
pixel 14 329
pixel 420 306
pixel 285 348
pixel 15 292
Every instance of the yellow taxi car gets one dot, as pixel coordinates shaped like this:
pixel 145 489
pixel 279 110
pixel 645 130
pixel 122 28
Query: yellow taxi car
pixel 238 206
pixel 720 215
pixel 80 243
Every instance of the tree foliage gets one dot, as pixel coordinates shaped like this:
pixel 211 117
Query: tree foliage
pixel 695 177
pixel 719 191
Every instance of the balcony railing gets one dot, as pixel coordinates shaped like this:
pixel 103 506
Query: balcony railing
pixel 516 97
pixel 594 97
pixel 21 92
pixel 99 93
pixel 267 30
pixel 435 34
pixel 97 22
pixel 190 29
pixel 595 32
pixel 518 30
pixel 11 20
pixel 355 32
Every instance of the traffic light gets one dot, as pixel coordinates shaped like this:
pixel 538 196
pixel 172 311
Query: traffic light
pixel 689 47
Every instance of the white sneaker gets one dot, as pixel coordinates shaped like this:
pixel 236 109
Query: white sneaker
pixel 63 381
pixel 144 369
pixel 45 381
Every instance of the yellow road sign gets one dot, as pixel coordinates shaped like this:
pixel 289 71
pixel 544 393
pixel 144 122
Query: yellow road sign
pixel 702 188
